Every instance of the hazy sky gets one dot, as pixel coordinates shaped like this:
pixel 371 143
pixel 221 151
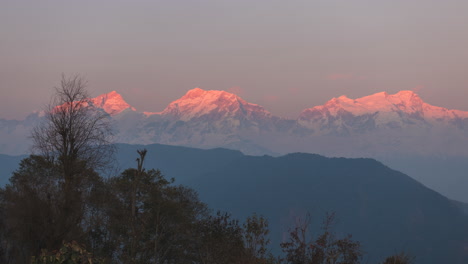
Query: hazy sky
pixel 284 55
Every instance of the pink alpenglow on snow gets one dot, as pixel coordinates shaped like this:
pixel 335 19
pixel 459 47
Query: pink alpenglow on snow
pixel 404 101
pixel 113 103
pixel 198 102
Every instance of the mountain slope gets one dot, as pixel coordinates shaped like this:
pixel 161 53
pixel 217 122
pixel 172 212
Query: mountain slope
pixel 384 209
pixel 8 164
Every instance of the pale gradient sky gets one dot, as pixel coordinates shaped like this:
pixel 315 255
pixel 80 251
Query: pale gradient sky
pixel 283 55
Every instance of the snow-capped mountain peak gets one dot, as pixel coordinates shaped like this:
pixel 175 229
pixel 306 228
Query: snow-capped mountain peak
pixel 403 101
pixel 198 102
pixel 404 108
pixel 113 103
pixel 213 118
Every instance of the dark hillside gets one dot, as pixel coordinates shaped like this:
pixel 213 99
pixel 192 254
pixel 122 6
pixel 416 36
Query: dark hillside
pixel 385 209
pixel 8 164
pixel 181 163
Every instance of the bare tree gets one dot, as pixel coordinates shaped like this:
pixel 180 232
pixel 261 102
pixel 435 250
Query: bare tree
pixel 75 138
pixel 76 134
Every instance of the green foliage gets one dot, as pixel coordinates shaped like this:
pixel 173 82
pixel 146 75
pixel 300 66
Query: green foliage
pixel 69 253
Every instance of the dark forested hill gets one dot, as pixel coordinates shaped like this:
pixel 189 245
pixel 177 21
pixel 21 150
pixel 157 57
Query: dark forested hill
pixel 384 209
pixel 181 163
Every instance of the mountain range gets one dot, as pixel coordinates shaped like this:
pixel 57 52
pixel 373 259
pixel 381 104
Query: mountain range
pixel 373 125
pixel 399 129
